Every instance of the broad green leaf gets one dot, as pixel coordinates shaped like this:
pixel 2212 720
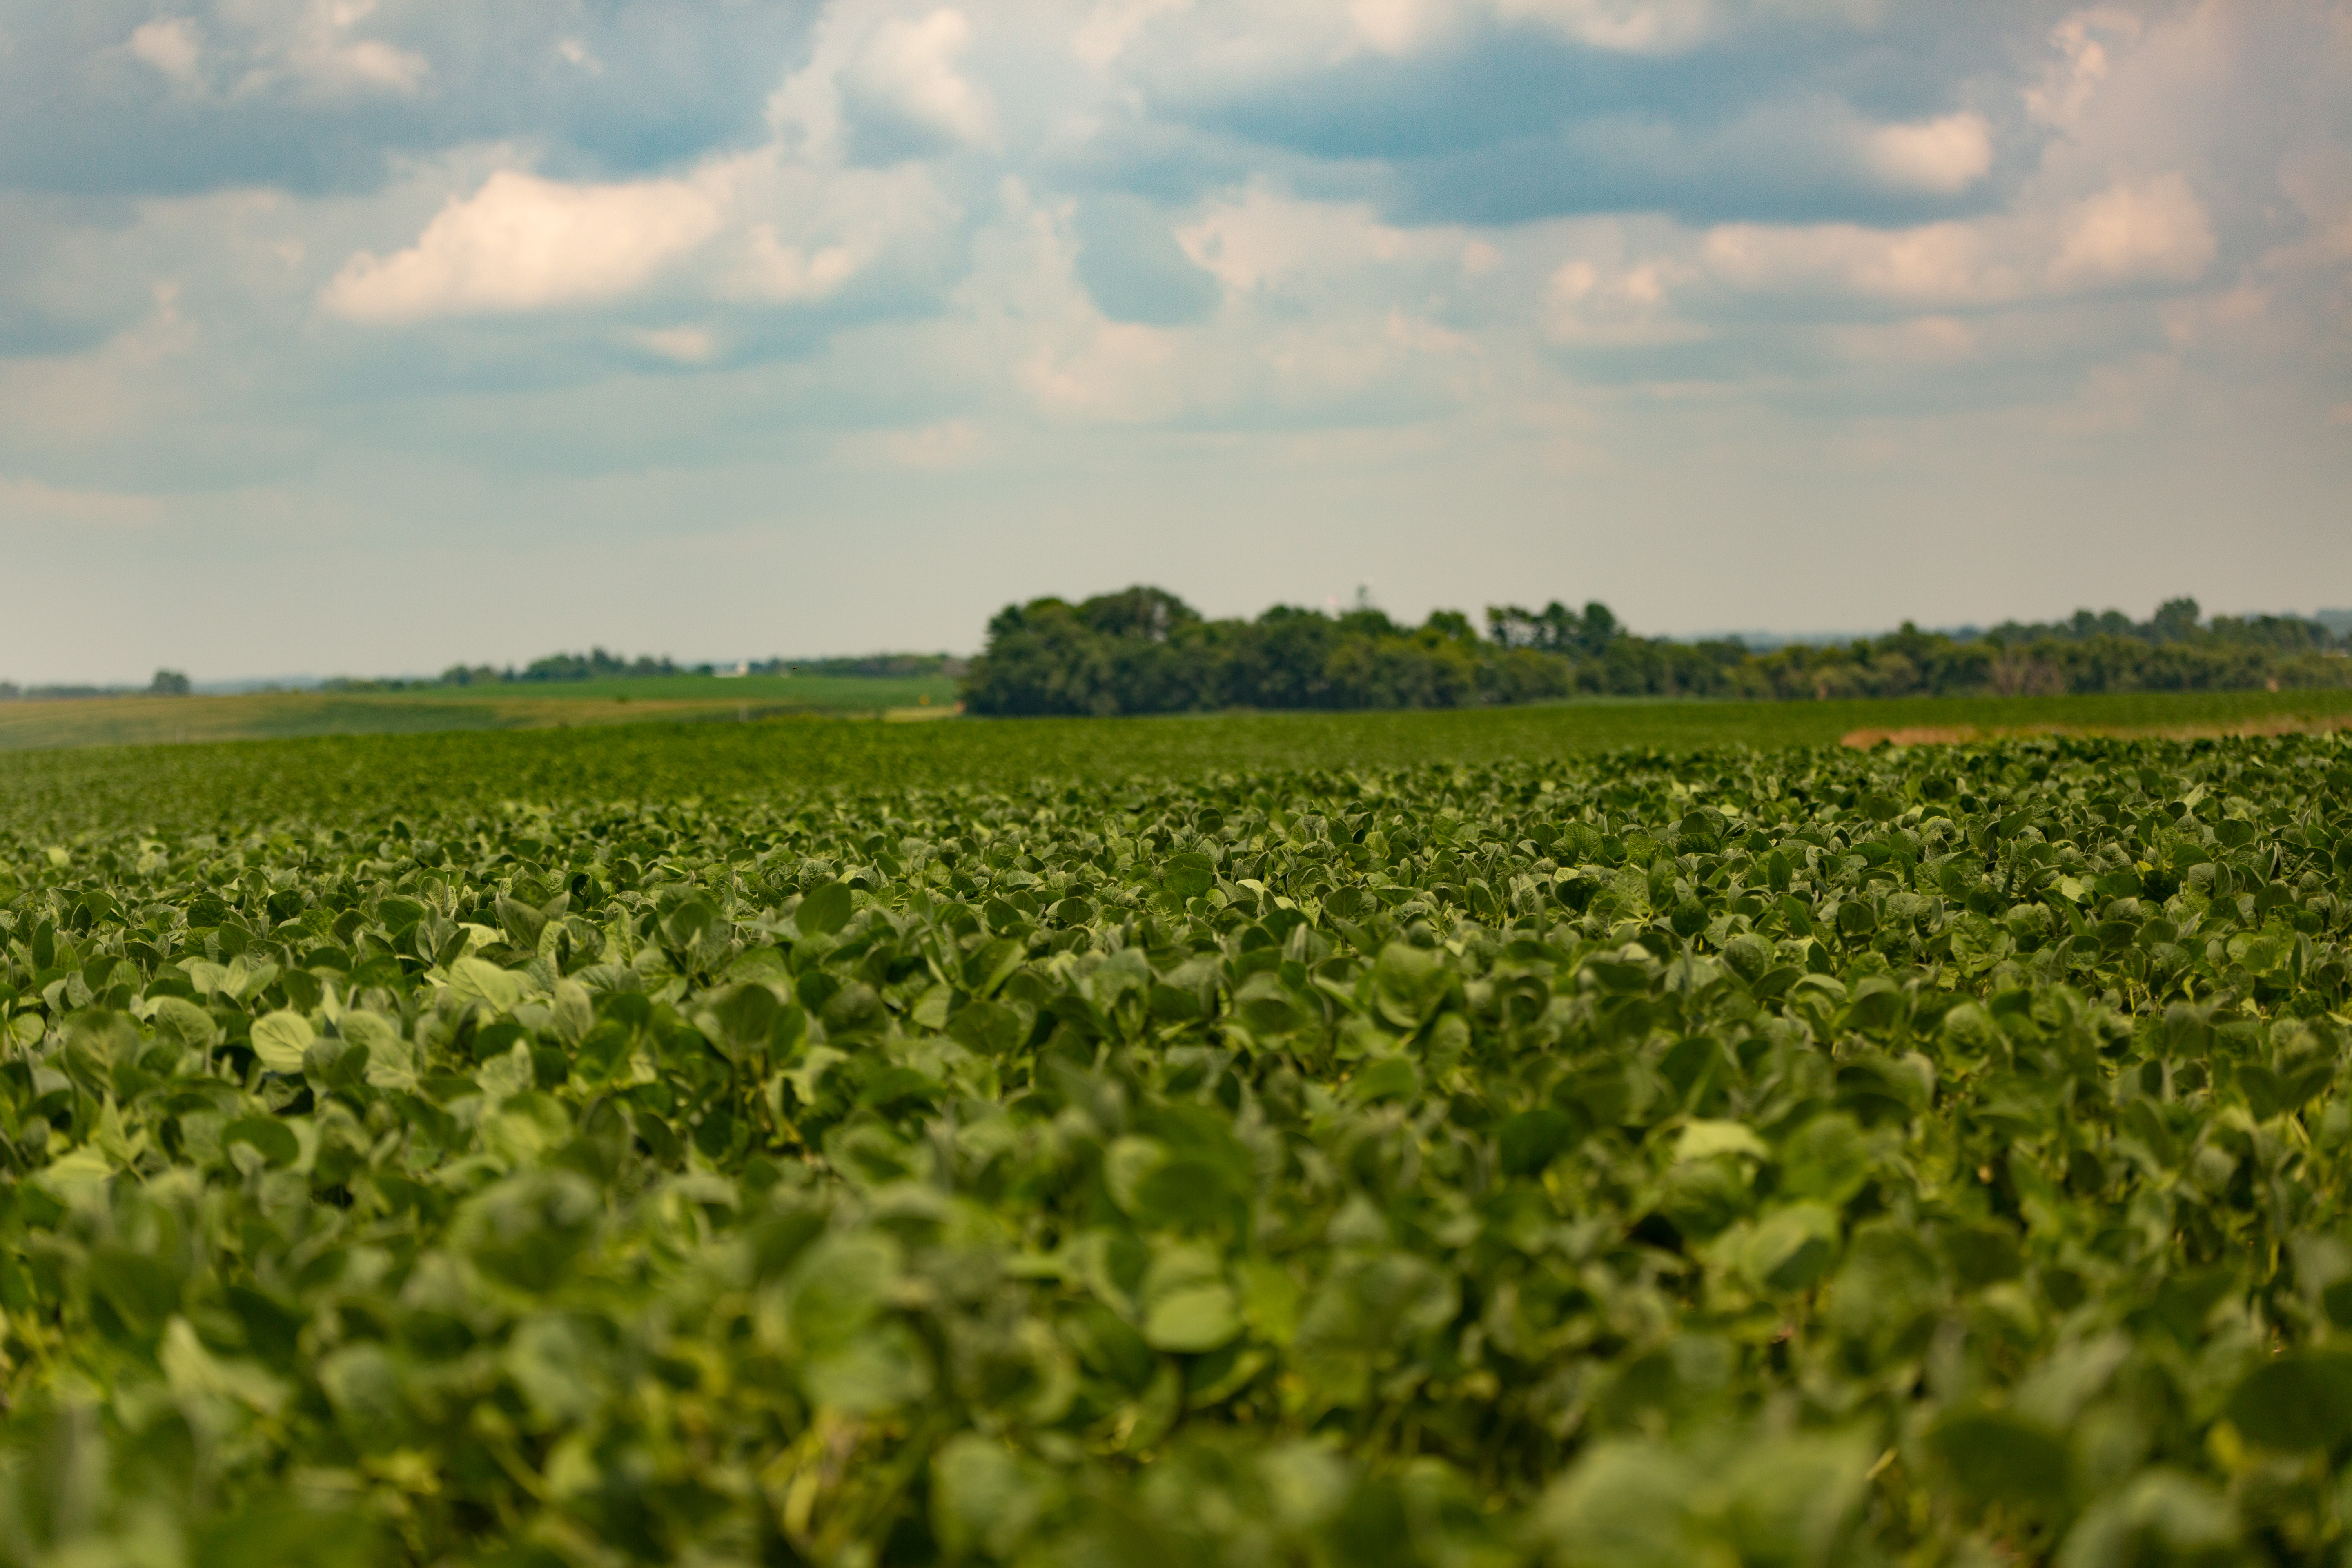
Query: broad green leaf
pixel 184 1023
pixel 280 1038
pixel 1192 1320
pixel 2296 1402
pixel 1791 1246
pixel 1529 1141
pixel 1826 1159
pixel 1996 1456
pixel 478 979
pixel 1190 874
pixel 1704 1140
pixel 824 911
pixel 1409 984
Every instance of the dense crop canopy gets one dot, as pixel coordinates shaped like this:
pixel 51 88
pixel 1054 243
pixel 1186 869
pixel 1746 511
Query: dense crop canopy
pixel 1771 1158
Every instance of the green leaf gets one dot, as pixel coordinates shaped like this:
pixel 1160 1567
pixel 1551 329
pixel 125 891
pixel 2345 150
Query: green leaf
pixel 1193 1319
pixel 745 1015
pixel 1796 1497
pixel 1531 1140
pixel 1997 1456
pixel 1628 1505
pixel 2159 1516
pixel 1888 1284
pixel 280 1040
pixel 990 1028
pixel 1390 1077
pixel 478 979
pixel 271 1139
pixel 1826 1159
pixel 2296 1402
pixel 1190 874
pixel 984 1498
pixel 1409 984
pixel 1791 1246
pixel 824 910
pixel 184 1024
pixel 1704 1140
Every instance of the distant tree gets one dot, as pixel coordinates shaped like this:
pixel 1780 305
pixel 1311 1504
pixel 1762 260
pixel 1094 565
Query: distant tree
pixel 1600 629
pixel 168 683
pixel 1152 613
pixel 2176 620
pixel 1143 650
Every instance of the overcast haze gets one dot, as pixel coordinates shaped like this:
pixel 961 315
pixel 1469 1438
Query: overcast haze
pixel 352 337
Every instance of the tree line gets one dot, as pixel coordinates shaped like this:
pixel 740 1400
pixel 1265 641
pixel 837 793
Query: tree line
pixel 597 664
pixel 1144 650
pixel 167 683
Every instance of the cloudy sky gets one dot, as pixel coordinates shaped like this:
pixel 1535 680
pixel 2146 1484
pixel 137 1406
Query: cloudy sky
pixel 367 335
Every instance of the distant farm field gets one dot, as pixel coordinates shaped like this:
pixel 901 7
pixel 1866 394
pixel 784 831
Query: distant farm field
pixel 324 753
pixel 842 692
pixel 270 715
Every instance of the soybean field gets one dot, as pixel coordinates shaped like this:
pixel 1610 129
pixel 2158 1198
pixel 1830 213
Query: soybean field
pixel 1364 1140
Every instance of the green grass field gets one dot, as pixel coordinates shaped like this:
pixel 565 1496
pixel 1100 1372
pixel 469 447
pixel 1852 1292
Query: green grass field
pixel 830 692
pixel 40 724
pixel 1177 742
pixel 489 755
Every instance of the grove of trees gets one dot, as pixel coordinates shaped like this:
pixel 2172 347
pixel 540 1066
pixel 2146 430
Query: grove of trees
pixel 1144 650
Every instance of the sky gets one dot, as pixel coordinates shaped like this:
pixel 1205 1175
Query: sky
pixel 369 336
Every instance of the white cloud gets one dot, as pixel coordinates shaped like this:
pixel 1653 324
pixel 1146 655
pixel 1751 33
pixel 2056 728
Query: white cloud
pixel 2084 43
pixel 1398 26
pixel 2119 397
pixel 2232 316
pixel 908 68
pixel 776 271
pixel 2153 231
pixel 1259 239
pixel 1599 305
pixel 32 500
pixel 680 345
pixel 1922 340
pixel 258 46
pixel 172 45
pixel 314 45
pixel 1629 26
pixel 522 243
pixel 950 443
pixel 756 229
pixel 879 84
pixel 1942 156
pixel 137 380
pixel 1942 263
pixel 1113 25
pixel 1322 313
pixel 1863 14
pixel 1117 371
pixel 1621 26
